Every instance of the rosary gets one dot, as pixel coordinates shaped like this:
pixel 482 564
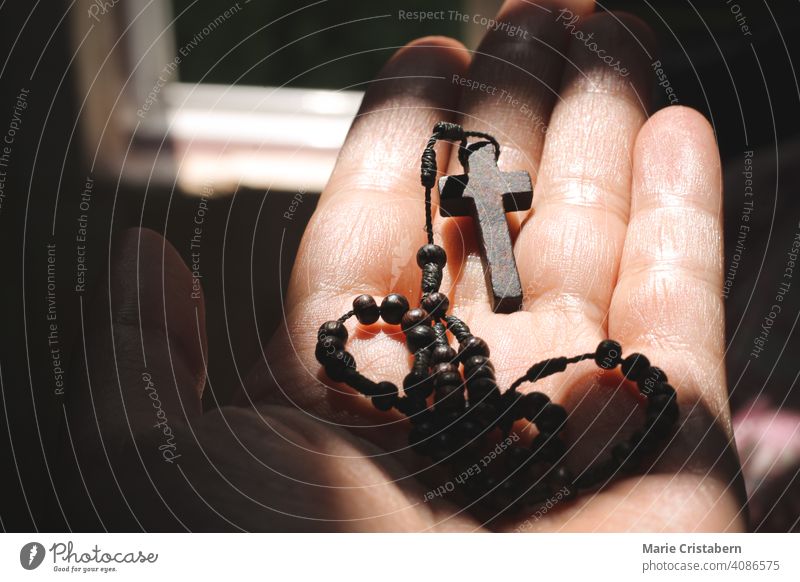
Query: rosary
pixel 452 400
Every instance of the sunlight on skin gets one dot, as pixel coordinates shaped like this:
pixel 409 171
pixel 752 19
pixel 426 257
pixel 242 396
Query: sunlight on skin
pixel 624 240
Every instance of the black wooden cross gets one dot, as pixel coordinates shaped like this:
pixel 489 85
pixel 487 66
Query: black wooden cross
pixel 486 194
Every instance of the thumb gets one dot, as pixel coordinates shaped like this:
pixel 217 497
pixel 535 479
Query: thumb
pixel 142 366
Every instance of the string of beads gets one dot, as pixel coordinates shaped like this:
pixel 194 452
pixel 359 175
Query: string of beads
pixel 451 397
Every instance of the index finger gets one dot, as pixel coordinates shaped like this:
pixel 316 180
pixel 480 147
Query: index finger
pixel 668 305
pixel 371 212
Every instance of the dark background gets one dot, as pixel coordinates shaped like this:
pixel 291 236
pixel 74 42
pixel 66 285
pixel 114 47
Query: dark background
pixel 747 86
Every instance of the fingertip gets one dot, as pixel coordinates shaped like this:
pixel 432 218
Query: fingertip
pixel 152 289
pixel 610 52
pixel 515 7
pixel 629 38
pixel 377 171
pixel 676 155
pixel 142 243
pixel 416 81
pixel 526 23
pixel 423 69
pixel 433 52
pixel 140 259
pixel 680 126
pixel 668 299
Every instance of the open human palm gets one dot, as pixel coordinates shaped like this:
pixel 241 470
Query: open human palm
pixel 623 241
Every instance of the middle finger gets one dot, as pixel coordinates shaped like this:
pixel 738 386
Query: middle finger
pixel 508 91
pixel 568 254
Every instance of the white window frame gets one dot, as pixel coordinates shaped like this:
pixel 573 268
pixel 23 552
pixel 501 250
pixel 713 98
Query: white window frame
pixel 195 135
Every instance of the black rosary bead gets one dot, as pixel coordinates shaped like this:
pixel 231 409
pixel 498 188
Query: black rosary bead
pixel 548 448
pixel 486 483
pixel 444 378
pixel 420 369
pixel 413 318
pixel 560 477
pixel 532 404
pixel 449 397
pixel 437 304
pixel 518 456
pixel 393 308
pixel 412 407
pixel 426 415
pixel 662 410
pixel 331 341
pixel 448 418
pixel 657 374
pixel 442 446
pixel 422 361
pixel 635 366
pixel 478 367
pixel 420 337
pixel 608 354
pixel 471 364
pixel 479 389
pixel 366 310
pixel 638 441
pixel 664 389
pixel 472 346
pixel 386 396
pixel 384 403
pixel 506 494
pixel 443 367
pixel 487 413
pixel 443 354
pixel 431 254
pixel 622 453
pixel 484 412
pixel 651 379
pixel 322 353
pixel 658 425
pixel 326 349
pixel 387 389
pixel 332 329
pixel 661 420
pixel 644 441
pixel 551 419
pixel 511 402
pixel 509 410
pixel 537 494
pixel 597 474
pixel 417 385
pixel 337 363
pixel 657 403
pixel 479 372
pixel 470 429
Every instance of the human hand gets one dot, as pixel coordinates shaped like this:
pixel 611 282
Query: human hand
pixel 624 241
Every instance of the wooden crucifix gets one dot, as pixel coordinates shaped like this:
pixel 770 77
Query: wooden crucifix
pixel 486 194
